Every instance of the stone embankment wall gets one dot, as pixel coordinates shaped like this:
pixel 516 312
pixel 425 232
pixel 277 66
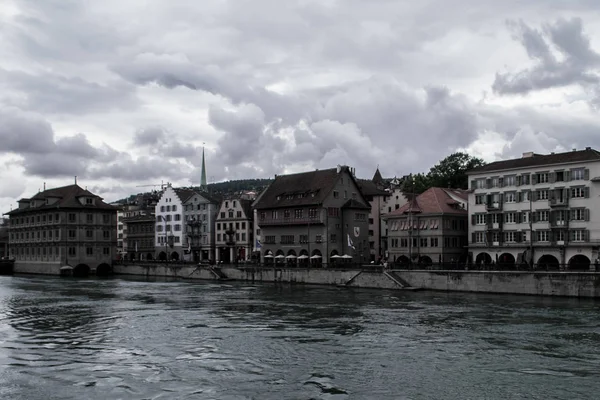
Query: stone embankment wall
pixel 575 284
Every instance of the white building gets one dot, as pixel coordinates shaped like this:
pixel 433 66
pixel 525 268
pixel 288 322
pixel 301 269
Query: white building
pixel 540 209
pixel 235 238
pixel 169 232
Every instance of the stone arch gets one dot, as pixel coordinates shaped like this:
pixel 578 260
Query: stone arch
pixel 162 256
pixel 403 260
pixel 103 269
pixel 425 260
pixel 333 256
pixel 548 262
pixel 579 262
pixel 279 256
pixel 149 257
pixel 483 259
pixel 81 270
pixel 291 252
pixel 506 260
pixel 175 256
pixel 316 252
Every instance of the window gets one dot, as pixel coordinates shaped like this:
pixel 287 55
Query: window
pixel 71 234
pixel 480 219
pixel 510 237
pixel 89 233
pixel 542 236
pixel 303 239
pixel 510 218
pixel 262 215
pixel 298 213
pixel 174 208
pixel 579 214
pixel 423 242
pixel 560 235
pixel 230 214
pixel 333 212
pixel 332 238
pixel 479 199
pixel 510 197
pixel 480 184
pixel 89 251
pixel 578 235
pixel 541 194
pixel 541 216
pixel 269 239
pixel 578 174
pixel 243 236
pixel 541 177
pixel 72 251
pixel 238 214
pixel 105 251
pixel 72 217
pixel 434 242
pixel 218 237
pixel 177 227
pixel 336 194
pixel 578 192
pixel 509 180
pixel 287 239
pixel 243 225
pixel 360 216
pixel 318 238
pixel 223 214
pixel 559 176
pixel 162 208
pixel 89 218
pixel 177 217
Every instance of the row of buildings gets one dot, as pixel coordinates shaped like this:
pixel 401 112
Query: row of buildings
pixel 537 209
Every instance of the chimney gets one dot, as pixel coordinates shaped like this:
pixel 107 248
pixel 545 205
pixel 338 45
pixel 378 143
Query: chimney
pixel 574 149
pixel 588 148
pixel 528 154
pixel 339 168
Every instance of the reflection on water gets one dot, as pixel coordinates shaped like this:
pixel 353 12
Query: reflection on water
pixel 128 339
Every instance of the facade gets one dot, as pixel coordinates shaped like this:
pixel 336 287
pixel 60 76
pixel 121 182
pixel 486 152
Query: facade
pixel 393 201
pixel 200 212
pixel 537 210
pixel 235 231
pixel 430 229
pixel 169 232
pixel 374 193
pixel 3 238
pixel 318 217
pixel 65 226
pixel 140 236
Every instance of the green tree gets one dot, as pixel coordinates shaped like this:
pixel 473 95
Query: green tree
pixel 451 172
pixel 415 183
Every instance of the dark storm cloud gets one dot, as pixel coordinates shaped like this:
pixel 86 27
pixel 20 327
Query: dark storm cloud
pixel 22 132
pixel 150 136
pixel 575 64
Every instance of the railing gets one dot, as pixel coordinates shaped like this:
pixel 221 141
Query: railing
pixel 455 266
pixel 291 221
pixel 491 206
pixel 558 202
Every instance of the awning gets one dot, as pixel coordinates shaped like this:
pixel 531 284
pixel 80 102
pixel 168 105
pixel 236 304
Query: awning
pixel 302 257
pixel 315 256
pixel 268 256
pixel 346 256
pixel 291 257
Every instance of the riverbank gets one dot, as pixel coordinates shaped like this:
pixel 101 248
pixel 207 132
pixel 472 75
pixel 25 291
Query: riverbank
pixel 570 284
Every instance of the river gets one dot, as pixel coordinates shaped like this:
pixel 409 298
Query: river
pixel 137 339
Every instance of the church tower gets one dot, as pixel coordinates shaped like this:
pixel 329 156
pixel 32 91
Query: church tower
pixel 203 184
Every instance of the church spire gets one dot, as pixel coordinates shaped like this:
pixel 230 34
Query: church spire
pixel 203 184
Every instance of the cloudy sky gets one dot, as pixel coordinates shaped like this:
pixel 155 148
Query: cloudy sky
pixel 125 93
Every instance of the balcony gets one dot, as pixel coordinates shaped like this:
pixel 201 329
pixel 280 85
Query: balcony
pixel 558 201
pixel 494 225
pixel 493 206
pixel 561 223
pixel 291 221
pixel 230 232
pixel 230 242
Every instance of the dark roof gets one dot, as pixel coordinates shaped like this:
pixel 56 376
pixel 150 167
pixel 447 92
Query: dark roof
pixel 377 178
pixel 432 201
pixel 302 189
pixel 140 218
pixel 67 198
pixel 353 203
pixel 369 188
pixel 539 160
pixel 184 194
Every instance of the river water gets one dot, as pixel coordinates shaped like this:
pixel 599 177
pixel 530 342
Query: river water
pixel 128 339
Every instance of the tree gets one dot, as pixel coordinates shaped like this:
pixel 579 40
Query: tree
pixel 415 184
pixel 451 172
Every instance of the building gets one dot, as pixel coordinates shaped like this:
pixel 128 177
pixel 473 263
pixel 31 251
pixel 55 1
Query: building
pixel 537 210
pixel 65 226
pixel 169 232
pixel 393 201
pixel 319 216
pixel 430 229
pixel 3 238
pixel 257 232
pixel 375 193
pixel 200 213
pixel 235 231
pixel 140 236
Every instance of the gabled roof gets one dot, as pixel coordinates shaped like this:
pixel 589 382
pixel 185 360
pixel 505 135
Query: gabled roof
pixel 377 178
pixel 369 188
pixel 184 194
pixel 432 201
pixel 530 160
pixel 302 189
pixel 67 197
pixel 353 203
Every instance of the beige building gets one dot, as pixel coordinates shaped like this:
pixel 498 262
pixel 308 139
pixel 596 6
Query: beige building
pixel 538 209
pixel 235 239
pixel 430 229
pixel 65 226
pixel 200 214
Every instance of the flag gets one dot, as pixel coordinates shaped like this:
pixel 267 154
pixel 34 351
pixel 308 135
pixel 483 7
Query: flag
pixel 258 245
pixel 350 244
pixel 189 246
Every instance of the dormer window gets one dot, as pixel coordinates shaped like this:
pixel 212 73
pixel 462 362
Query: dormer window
pixel 88 201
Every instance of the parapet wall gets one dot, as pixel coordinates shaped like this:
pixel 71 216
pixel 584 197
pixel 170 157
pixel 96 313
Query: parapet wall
pixel 573 284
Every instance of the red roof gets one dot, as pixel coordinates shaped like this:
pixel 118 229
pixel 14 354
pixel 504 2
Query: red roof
pixel 434 200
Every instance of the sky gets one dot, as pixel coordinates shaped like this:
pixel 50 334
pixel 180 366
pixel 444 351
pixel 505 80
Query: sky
pixel 124 95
